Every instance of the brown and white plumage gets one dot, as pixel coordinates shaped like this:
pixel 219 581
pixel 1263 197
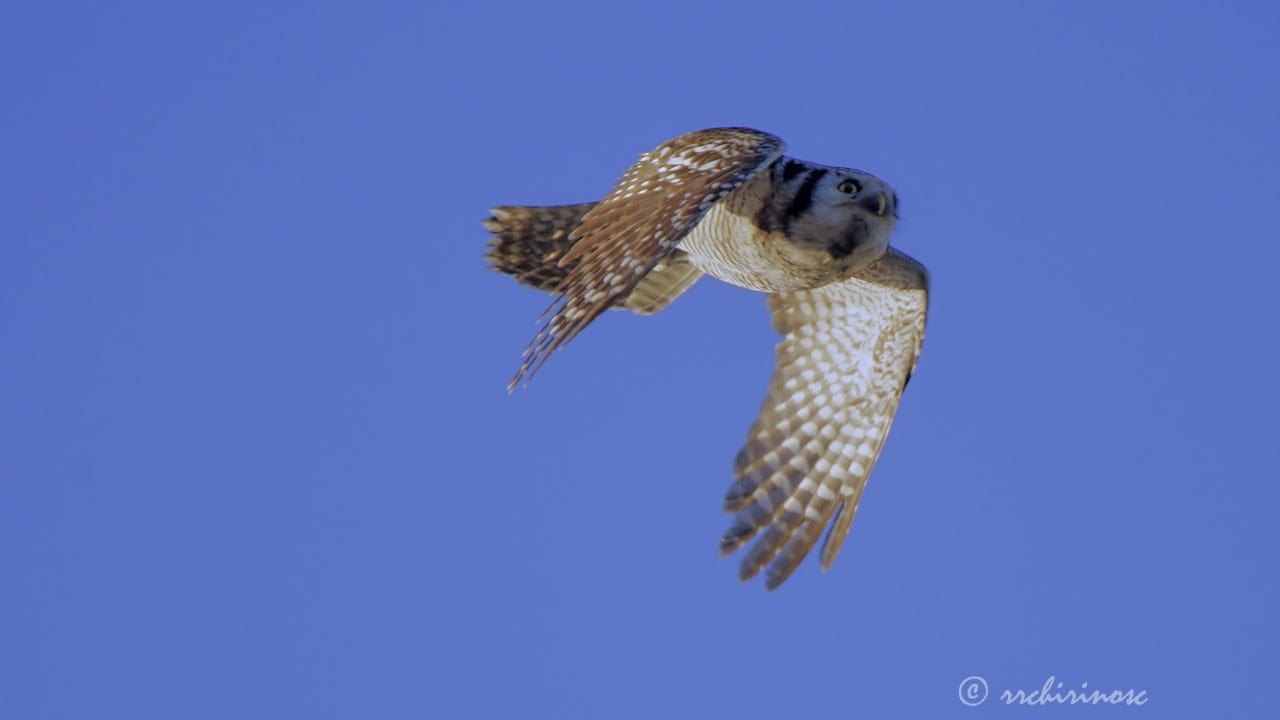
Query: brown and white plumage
pixel 846 353
pixel 528 243
pixel 725 202
pixel 656 203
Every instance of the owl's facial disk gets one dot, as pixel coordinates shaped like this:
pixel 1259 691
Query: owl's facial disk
pixel 852 217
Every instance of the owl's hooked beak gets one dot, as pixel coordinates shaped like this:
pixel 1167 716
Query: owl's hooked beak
pixel 877 204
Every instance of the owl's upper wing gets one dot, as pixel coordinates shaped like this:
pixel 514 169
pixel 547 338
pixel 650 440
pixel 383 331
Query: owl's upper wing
pixel 847 352
pixel 655 204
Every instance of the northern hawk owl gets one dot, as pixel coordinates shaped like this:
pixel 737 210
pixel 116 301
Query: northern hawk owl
pixel 726 202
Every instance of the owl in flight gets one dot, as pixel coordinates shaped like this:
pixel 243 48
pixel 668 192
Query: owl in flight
pixel 726 202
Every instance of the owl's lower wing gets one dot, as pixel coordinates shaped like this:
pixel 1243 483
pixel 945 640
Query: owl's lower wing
pixel 528 242
pixel 655 204
pixel 847 351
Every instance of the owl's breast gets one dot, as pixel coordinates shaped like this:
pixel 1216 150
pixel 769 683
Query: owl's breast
pixel 727 245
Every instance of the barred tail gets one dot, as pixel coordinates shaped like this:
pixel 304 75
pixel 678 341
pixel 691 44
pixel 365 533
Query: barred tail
pixel 529 242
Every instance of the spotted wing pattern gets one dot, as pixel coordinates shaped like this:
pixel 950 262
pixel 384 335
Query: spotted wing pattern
pixel 655 204
pixel 846 353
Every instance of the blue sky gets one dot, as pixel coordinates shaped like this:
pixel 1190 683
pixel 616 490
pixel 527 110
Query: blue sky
pixel 258 459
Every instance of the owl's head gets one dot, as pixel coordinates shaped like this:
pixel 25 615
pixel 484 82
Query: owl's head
pixel 845 213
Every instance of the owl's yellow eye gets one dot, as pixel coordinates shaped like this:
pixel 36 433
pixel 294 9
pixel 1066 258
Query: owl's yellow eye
pixel 881 204
pixel 848 186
